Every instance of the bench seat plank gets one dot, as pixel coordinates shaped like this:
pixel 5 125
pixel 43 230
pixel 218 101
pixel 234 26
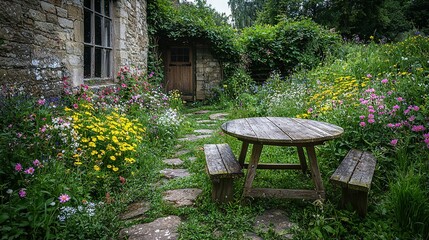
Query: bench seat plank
pixel 221 161
pixel 362 176
pixel 344 172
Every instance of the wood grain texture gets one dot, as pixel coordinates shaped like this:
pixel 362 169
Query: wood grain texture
pixel 221 161
pixel 362 176
pixel 281 130
pixel 344 172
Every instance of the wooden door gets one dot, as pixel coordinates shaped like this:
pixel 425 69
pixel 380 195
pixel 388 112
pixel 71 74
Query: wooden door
pixel 179 72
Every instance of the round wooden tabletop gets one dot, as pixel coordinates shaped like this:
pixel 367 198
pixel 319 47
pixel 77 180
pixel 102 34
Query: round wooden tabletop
pixel 281 130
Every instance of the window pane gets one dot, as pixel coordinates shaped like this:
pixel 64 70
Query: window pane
pixel 87 62
pixel 87 3
pixel 97 62
pixel 97 6
pixel 107 33
pixel 97 30
pixel 107 63
pixel 87 26
pixel 107 8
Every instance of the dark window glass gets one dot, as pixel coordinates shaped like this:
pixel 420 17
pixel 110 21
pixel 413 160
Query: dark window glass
pixel 87 61
pixel 87 26
pixel 97 39
pixel 97 6
pixel 97 28
pixel 87 3
pixel 107 8
pixel 97 61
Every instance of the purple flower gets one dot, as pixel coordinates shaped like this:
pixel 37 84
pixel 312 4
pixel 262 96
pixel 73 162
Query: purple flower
pixel 416 108
pixel 390 125
pixel 400 99
pixel 29 171
pixel 22 193
pixel 362 124
pixel 369 75
pixel 384 81
pixel 18 167
pixel 41 101
pixel 396 107
pixel 64 198
pixel 371 116
pixel 361 117
pixel 394 142
pixel 418 128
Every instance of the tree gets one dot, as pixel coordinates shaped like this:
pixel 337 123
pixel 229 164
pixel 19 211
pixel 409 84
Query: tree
pixel 244 12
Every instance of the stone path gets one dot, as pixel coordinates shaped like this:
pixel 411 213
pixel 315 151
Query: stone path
pixel 166 227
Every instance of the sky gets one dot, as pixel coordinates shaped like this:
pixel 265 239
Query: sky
pixel 220 6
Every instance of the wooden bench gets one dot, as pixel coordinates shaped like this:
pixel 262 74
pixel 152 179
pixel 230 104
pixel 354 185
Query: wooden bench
pixel 222 167
pixel 354 175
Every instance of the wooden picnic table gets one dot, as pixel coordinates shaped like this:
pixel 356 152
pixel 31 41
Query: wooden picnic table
pixel 281 131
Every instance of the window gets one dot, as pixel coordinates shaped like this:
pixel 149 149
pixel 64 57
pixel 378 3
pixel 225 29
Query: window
pixel 179 54
pixel 97 39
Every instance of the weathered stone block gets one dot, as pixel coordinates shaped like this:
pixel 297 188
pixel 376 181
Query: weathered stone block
pixel 65 23
pixel 61 12
pixel 78 31
pixel 45 27
pixel 47 7
pixel 36 15
pixel 51 18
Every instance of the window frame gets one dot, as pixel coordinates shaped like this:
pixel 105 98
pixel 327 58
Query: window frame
pixel 105 48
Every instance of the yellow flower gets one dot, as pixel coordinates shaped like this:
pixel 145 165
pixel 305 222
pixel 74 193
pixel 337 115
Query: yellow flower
pixel 96 168
pixel 92 144
pixel 77 163
pixel 76 155
pixel 109 166
pixel 115 169
pixel 113 158
pixel 94 152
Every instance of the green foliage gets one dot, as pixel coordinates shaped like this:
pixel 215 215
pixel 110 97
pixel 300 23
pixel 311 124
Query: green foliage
pixel 287 46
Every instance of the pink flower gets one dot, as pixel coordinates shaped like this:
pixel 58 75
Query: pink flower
pixel 362 117
pixel 384 81
pixel 75 106
pixel 362 124
pixel 418 128
pixel 310 110
pixel 390 125
pixel 64 198
pixel 369 75
pixel 124 85
pixel 371 116
pixel 371 120
pixel 18 167
pixel 29 171
pixel 416 108
pixel 22 193
pixel 400 99
pixel 122 180
pixel 364 102
pixel 412 118
pixel 426 135
pixel 37 163
pixel 396 107
pixel 394 142
pixel 41 101
pixel 371 110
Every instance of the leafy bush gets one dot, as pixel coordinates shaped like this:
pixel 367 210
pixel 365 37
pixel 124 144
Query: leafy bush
pixel 287 46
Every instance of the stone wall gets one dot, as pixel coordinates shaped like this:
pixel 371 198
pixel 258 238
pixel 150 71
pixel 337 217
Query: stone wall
pixel 208 72
pixel 41 42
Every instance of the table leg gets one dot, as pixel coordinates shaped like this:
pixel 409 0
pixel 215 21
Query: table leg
pixel 315 171
pixel 302 159
pixel 253 164
pixel 243 153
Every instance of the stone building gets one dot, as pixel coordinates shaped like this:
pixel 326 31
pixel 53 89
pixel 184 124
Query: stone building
pixel 43 42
